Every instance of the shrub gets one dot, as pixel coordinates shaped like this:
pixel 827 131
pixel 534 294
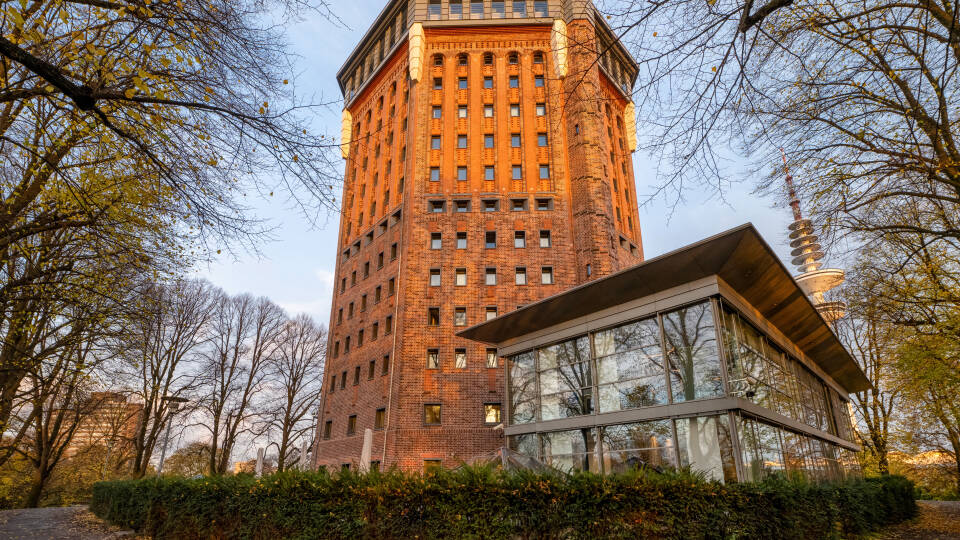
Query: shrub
pixel 478 502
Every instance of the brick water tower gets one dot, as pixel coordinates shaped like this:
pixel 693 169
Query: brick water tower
pixel 488 165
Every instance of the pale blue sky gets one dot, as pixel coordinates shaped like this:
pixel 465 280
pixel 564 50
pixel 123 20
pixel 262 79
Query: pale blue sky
pixel 296 268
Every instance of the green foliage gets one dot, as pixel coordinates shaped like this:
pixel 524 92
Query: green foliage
pixel 479 502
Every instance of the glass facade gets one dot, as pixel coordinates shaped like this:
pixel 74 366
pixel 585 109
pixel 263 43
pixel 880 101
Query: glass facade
pixel 701 351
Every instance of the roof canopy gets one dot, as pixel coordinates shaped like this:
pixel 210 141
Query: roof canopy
pixel 739 256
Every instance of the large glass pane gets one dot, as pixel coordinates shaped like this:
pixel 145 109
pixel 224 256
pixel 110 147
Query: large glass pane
pixel 793 454
pixel 528 445
pixel 523 388
pixel 571 450
pixel 628 446
pixel 566 379
pixel 691 344
pixel 703 444
pixel 749 450
pixel 770 451
pixel 630 366
pixel 568 352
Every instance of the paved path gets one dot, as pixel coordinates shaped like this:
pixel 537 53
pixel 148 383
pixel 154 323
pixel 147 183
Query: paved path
pixel 56 523
pixel 938 520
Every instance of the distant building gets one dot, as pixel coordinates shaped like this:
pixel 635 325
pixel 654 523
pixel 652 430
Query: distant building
pixel 488 164
pixel 710 356
pixel 111 423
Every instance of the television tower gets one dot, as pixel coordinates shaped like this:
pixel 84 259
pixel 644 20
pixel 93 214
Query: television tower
pixel 814 280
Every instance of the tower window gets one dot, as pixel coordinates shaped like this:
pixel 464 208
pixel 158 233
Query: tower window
pixel 541 109
pixel 431 417
pixel 544 172
pixel 514 109
pixel 433 359
pixel 460 316
pixel 541 139
pixel 437 83
pixel 519 239
pixel 488 141
pixel 461 240
pixel 437 112
pixel 460 277
pixel 491 413
pixel 461 177
pixel 436 240
pixel 490 276
pixel 488 111
pixel 434 277
pixel 433 316
pixel 537 56
pixel 460 358
pixel 490 238
pixel 488 82
pixel 492 358
pixel 521 276
pixel 514 58
pixel 514 81
pixel 546 275
pixel 488 172
pixel 538 81
pixel 462 83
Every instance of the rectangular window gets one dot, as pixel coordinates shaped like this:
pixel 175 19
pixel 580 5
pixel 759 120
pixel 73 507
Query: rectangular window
pixel 436 240
pixel 499 12
pixel 437 83
pixel 462 83
pixel 519 8
pixel 488 141
pixel 371 369
pixel 461 207
pixel 391 286
pixel 437 111
pixel 460 316
pixel 461 141
pixel 476 9
pixel 379 418
pixel 544 172
pixel 541 109
pixel 431 417
pixel 491 312
pixel 491 413
pixel 544 204
pixel 327 429
pixel 546 275
pixel 521 276
pixel 461 240
pixel 517 172
pixel 514 81
pixel 540 10
pixel 491 205
pixel 351 424
pixel 488 82
pixel 433 359
pixel 541 139
pixel 435 142
pixel 456 9
pixel 434 10
pixel 437 207
pixel 435 277
pixel 488 172
pixel 356 375
pixel 515 140
pixel 490 276
pixel 519 239
pixel 488 111
pixel 433 316
pixel 388 325
pixel 434 174
pixel 492 358
pixel 343 380
pixel 514 109
pixel 460 277
pixel 385 367
pixel 538 81
pixel 462 111
pixel 377 293
pixel 393 252
pixel 490 239
pixel 360 338
pixel 460 358
pixel 518 205
pixel 375 331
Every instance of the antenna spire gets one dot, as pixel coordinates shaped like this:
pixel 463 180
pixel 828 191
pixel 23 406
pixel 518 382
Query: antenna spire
pixel 807 253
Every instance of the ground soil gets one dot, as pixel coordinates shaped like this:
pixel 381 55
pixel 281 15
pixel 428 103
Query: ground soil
pixel 938 520
pixel 56 523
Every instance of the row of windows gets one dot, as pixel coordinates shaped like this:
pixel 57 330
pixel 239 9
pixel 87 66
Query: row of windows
pixel 436 142
pixel 513 58
pixel 367 238
pixel 513 81
pixel 371 372
pixel 490 240
pixel 488 110
pixel 490 277
pixel 494 9
pixel 432 416
pixel 361 334
pixel 490 174
pixel 438 206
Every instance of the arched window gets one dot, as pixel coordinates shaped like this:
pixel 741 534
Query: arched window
pixel 488 59
pixel 514 58
pixel 538 57
pixel 462 60
pixel 438 59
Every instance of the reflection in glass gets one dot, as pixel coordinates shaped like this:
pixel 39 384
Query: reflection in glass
pixel 690 338
pixel 572 450
pixel 628 446
pixel 566 382
pixel 630 368
pixel 528 444
pixel 704 444
pixel 523 388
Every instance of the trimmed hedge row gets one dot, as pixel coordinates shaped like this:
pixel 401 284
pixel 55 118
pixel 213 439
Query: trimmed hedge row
pixel 476 502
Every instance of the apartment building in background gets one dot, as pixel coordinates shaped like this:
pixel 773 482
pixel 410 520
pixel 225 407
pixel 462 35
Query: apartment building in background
pixel 487 149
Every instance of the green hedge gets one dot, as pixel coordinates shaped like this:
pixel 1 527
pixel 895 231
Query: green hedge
pixel 484 503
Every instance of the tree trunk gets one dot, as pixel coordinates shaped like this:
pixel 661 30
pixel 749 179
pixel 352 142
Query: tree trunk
pixel 36 490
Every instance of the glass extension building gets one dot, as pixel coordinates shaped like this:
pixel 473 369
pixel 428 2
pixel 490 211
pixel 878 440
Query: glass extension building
pixel 709 357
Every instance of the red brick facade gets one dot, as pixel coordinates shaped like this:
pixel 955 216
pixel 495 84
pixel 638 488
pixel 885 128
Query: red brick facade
pixel 560 167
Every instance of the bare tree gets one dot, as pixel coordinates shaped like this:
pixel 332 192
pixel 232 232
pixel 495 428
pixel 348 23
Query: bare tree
pixel 168 325
pixel 862 95
pixel 243 331
pixel 297 381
